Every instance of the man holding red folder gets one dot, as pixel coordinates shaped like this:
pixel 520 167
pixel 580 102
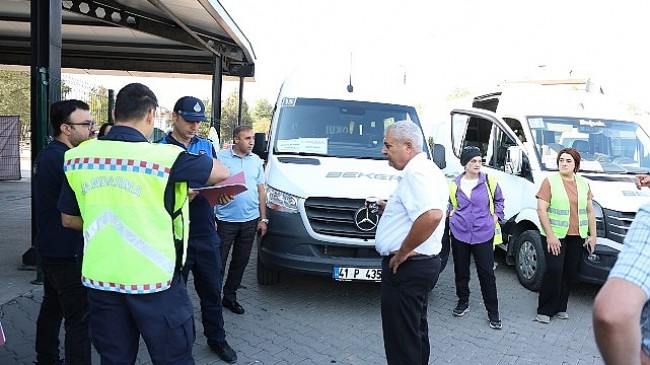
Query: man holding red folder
pixel 239 219
pixel 203 253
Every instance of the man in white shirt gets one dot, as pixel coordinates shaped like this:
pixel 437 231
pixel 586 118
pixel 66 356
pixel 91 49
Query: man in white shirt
pixel 408 237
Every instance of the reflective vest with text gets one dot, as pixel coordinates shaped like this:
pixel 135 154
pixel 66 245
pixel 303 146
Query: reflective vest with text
pixel 132 243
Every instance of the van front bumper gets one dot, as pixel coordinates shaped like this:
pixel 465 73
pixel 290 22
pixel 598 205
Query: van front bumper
pixel 287 246
pixel 596 268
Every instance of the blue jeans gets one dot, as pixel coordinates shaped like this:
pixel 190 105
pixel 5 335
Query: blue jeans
pixel 204 261
pixel 64 299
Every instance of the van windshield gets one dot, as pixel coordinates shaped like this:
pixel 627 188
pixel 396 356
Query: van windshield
pixel 604 145
pixel 336 128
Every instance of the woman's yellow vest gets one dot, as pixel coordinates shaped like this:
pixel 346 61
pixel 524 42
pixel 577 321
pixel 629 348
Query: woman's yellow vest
pixel 559 208
pixel 133 243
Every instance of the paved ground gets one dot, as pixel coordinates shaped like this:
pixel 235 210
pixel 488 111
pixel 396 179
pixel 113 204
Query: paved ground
pixel 312 320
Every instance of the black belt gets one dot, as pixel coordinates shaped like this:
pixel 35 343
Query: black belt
pixel 416 257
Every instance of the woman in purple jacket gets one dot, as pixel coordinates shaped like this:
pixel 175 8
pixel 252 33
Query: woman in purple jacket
pixel 471 228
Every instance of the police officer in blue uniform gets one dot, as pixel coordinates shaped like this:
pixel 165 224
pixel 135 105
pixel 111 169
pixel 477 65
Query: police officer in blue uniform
pixel 163 316
pixel 203 254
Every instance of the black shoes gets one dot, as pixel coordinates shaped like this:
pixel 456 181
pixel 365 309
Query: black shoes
pixel 461 309
pixel 233 306
pixel 224 351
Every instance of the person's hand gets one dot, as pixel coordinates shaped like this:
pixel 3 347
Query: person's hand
pixel 451 212
pixel 261 228
pixel 225 199
pixel 191 194
pixel 381 205
pixel 554 245
pixel 641 181
pixel 397 260
pixel 590 243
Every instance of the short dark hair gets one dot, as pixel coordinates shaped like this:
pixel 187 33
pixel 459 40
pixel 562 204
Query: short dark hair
pixel 238 129
pixel 574 153
pixel 102 129
pixel 133 102
pixel 60 113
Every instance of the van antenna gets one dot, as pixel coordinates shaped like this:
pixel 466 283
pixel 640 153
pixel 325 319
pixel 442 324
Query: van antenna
pixel 350 87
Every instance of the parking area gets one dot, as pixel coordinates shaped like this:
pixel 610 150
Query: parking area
pixel 313 320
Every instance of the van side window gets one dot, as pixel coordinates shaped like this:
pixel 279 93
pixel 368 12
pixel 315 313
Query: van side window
pixel 502 142
pixel 478 134
pixel 515 125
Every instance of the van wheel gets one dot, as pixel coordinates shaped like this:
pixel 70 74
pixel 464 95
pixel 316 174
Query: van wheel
pixel 265 275
pixel 530 260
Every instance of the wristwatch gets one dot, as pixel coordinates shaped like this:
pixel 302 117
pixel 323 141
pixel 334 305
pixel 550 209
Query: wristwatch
pixel 265 220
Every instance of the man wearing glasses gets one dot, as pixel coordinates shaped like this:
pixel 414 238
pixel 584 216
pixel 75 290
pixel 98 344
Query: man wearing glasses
pixel 130 198
pixel 60 248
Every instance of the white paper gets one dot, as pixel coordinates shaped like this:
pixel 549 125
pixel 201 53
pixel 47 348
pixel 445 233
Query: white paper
pixel 306 145
pixel 288 145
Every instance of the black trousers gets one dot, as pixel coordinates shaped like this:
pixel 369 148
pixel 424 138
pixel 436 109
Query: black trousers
pixel 484 259
pixel 559 275
pixel 64 298
pixel 204 260
pixel 404 300
pixel 240 237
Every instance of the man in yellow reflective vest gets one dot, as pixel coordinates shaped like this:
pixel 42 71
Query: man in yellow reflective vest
pixel 130 199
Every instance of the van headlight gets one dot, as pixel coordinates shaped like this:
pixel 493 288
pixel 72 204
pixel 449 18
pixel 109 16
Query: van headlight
pixel 281 201
pixel 600 219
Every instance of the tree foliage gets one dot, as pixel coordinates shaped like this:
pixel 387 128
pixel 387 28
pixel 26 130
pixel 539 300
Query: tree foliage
pixel 229 113
pixel 98 103
pixel 15 98
pixel 458 93
pixel 262 109
pixel 262 112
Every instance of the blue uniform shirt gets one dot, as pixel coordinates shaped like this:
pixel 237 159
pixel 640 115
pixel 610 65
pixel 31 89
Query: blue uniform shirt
pixel 245 206
pixel 52 239
pixel 195 169
pixel 201 213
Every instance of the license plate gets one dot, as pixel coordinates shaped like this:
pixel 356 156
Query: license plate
pixel 353 273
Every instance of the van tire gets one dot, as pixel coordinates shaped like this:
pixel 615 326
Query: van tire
pixel 265 275
pixel 530 260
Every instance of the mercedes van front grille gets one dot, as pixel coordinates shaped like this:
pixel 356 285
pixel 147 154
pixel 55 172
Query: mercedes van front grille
pixel 336 217
pixel 617 224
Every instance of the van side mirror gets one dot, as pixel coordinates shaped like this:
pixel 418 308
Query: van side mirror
pixel 439 155
pixel 514 160
pixel 260 147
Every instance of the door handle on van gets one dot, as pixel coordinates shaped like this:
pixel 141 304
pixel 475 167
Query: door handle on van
pixel 451 175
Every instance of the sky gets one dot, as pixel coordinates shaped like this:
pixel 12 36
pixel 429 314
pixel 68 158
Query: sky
pixel 436 46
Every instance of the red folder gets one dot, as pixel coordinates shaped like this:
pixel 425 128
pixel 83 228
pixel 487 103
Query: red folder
pixel 233 185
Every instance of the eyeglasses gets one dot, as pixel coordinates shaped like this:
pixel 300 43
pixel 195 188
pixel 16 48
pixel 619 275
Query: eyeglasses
pixel 90 125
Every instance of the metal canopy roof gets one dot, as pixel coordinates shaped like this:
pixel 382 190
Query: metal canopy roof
pixel 135 36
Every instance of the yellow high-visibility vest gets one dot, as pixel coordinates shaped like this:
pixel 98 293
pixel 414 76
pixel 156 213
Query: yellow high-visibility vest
pixel 559 208
pixel 132 244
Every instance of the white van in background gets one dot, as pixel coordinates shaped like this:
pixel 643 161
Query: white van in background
pixel 520 130
pixel 323 159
